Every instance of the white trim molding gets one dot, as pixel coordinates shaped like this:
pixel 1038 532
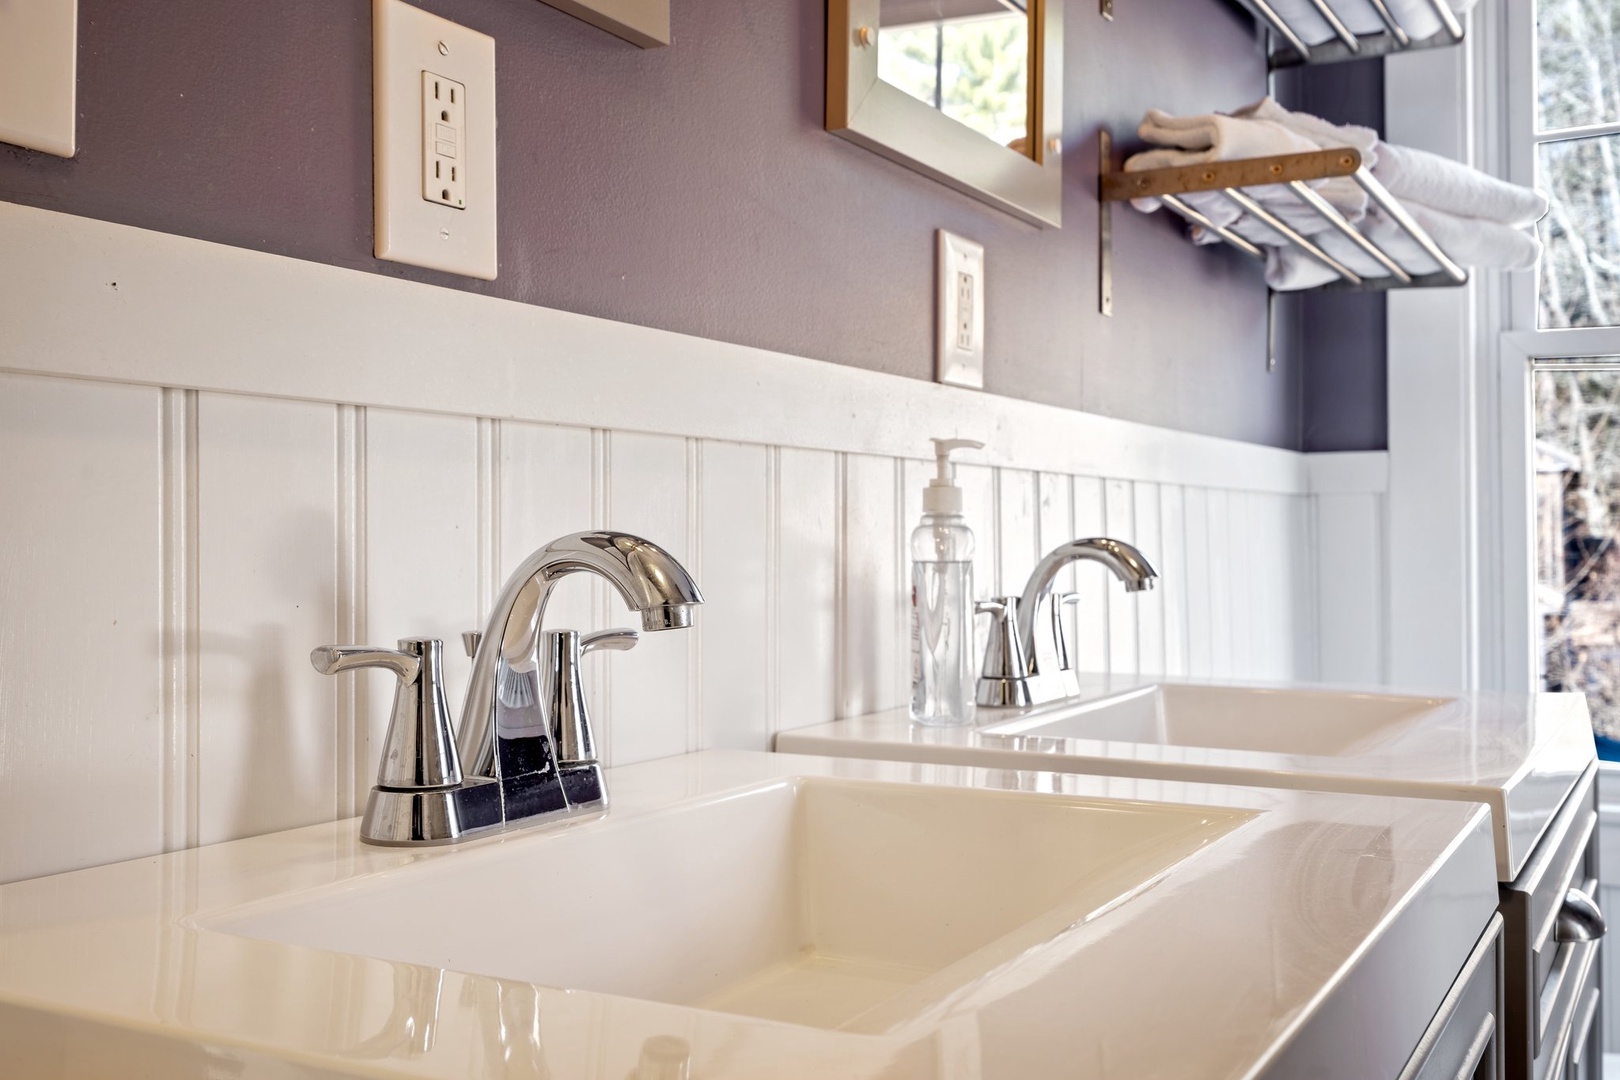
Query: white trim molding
pixel 90 299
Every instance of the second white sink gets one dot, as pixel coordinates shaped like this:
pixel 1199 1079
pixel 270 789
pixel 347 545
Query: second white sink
pixel 818 901
pixel 1310 722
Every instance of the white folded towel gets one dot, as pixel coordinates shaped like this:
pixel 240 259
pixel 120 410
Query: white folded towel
pixel 1421 177
pixel 1416 17
pixel 1195 140
pixel 1323 133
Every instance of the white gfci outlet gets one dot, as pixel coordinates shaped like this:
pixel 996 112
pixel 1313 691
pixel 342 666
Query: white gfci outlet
pixel 444 137
pixel 433 89
pixel 959 337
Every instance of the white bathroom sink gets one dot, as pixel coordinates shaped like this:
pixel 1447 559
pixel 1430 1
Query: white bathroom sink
pixel 1311 722
pixel 819 901
pixel 1521 754
pixel 737 915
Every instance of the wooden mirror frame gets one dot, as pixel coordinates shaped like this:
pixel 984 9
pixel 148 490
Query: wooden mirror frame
pixel 864 109
pixel 640 22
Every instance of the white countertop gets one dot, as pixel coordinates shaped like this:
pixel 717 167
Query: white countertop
pixel 1520 754
pixel 1319 910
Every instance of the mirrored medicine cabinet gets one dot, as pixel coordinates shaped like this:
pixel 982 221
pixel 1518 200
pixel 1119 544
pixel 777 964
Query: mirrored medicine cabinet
pixel 968 92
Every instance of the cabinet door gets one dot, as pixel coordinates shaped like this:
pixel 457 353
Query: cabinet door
pixel 1464 1040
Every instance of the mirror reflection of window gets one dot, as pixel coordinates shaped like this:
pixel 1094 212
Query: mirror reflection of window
pixel 970 59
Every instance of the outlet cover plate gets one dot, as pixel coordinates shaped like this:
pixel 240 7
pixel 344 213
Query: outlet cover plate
pixel 410 228
pixel 959 333
pixel 39 51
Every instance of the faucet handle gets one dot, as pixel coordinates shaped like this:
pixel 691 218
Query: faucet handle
pixel 620 639
pixel 420 748
pixel 1004 680
pixel 1060 631
pixel 560 653
pixel 333 659
pixel 470 640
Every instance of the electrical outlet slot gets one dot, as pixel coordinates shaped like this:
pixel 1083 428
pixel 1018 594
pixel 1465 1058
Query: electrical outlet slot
pixel 964 310
pixel 444 140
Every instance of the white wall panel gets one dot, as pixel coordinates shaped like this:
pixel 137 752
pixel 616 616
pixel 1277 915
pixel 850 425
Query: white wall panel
pixel 1350 572
pixel 1018 528
pixel 267 481
pixel 1119 514
pixel 1171 563
pixel 872 660
pixel 1222 622
pixel 1199 585
pixel 1150 629
pixel 1055 525
pixel 80 495
pixel 422 548
pixel 546 491
pixel 734 572
pixel 649 707
pixel 1091 650
pixel 807 574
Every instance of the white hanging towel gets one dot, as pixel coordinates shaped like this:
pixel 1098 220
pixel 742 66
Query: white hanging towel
pixel 1442 184
pixel 1469 241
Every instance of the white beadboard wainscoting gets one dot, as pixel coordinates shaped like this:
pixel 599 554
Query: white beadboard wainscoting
pixel 213 460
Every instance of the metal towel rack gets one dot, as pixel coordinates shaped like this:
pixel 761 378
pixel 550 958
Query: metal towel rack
pixel 1289 49
pixel 1231 178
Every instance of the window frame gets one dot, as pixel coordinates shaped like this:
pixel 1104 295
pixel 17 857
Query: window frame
pixel 1507 134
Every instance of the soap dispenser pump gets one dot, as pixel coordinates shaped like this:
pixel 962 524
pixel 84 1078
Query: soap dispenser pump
pixel 942 661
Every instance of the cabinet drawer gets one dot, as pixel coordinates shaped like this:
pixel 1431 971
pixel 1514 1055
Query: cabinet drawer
pixel 1463 1042
pixel 1545 978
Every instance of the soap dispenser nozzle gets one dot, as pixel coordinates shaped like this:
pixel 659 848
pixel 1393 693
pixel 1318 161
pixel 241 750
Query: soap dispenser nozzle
pixel 942 496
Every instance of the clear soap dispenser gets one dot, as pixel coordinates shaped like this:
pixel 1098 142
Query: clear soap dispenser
pixel 942 661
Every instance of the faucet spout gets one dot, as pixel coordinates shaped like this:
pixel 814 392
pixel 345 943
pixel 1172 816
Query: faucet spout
pixel 1127 564
pixel 649 579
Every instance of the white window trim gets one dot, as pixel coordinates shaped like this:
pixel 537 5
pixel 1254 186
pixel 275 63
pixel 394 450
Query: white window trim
pixel 1502 43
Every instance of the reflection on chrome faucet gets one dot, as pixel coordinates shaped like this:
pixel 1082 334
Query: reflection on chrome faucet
pixel 525 751
pixel 1028 662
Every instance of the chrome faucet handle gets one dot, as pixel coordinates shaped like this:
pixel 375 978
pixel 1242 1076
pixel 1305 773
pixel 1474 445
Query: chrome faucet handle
pixel 1004 679
pixel 420 748
pixel 1060 632
pixel 618 640
pixel 332 659
pixel 421 796
pixel 561 651
pixel 470 640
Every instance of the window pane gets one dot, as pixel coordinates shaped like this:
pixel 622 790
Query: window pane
pixel 974 70
pixel 1577 62
pixel 1577 493
pixel 1580 269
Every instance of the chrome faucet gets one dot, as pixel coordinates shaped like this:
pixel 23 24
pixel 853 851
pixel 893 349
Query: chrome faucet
pixel 1037 668
pixel 525 751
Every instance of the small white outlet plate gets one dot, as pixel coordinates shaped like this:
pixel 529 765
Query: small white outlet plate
pixel 444 138
pixel 39 52
pixel 959 335
pixel 434 167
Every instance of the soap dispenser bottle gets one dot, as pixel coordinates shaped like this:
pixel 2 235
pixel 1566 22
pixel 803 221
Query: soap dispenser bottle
pixel 942 661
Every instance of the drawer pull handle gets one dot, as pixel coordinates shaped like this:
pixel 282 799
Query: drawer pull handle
pixel 1579 919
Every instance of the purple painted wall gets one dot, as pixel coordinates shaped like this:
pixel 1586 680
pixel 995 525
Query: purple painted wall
pixel 1346 391
pixel 693 188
